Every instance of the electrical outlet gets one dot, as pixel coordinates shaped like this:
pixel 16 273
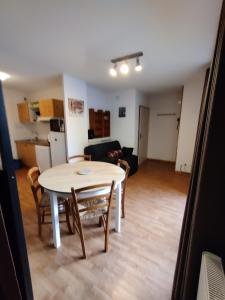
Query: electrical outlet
pixel 183 167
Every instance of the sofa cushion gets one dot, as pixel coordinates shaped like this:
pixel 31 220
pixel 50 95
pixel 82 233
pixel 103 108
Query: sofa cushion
pixel 127 151
pixel 111 160
pixel 115 153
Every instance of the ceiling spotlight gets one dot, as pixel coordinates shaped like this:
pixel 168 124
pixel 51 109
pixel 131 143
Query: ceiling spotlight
pixel 112 71
pixel 4 76
pixel 124 68
pixel 138 66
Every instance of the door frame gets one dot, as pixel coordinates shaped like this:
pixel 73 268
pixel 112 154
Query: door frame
pixel 203 217
pixel 178 124
pixel 139 113
pixel 9 201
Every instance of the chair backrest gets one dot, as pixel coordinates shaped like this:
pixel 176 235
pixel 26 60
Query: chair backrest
pixel 124 165
pixel 81 157
pixel 36 188
pixel 85 200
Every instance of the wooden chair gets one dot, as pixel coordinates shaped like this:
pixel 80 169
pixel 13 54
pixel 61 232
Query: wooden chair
pixel 79 157
pixel 124 165
pixel 92 202
pixel 42 204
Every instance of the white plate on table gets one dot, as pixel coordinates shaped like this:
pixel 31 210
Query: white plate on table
pixel 84 172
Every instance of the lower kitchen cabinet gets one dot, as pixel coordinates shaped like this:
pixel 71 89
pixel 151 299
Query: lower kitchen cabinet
pixel 26 153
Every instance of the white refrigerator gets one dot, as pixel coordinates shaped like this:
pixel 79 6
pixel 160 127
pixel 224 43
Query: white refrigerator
pixel 43 157
pixel 57 143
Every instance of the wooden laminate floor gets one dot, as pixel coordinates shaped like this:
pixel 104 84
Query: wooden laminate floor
pixel 141 259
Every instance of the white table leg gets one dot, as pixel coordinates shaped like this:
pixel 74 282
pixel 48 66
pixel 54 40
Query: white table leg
pixel 118 208
pixel 55 219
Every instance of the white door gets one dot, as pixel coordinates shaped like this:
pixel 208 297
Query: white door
pixel 143 133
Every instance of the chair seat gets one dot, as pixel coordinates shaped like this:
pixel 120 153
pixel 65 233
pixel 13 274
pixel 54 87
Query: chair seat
pixel 87 215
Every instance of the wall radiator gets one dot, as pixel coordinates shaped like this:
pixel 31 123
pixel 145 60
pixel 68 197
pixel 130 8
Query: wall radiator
pixel 212 280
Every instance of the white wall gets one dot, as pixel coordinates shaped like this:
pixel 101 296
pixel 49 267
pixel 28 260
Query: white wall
pixel 97 98
pixel 131 99
pixel 76 126
pixel 17 130
pixel 191 103
pixel 163 133
pixel 124 129
pixel 48 93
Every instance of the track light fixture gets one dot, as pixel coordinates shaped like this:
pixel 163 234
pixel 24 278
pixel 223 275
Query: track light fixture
pixel 124 67
pixel 138 67
pixel 113 71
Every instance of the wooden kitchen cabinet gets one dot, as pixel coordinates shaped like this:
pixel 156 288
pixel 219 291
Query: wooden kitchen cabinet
pixel 26 153
pixel 24 112
pixel 51 108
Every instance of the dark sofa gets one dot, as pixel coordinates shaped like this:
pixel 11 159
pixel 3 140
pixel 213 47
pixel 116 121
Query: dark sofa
pixel 99 152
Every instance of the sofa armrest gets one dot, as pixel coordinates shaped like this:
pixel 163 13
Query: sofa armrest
pixel 133 163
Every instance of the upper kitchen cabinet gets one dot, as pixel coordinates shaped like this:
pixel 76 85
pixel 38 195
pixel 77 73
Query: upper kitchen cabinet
pixel 51 108
pixel 24 112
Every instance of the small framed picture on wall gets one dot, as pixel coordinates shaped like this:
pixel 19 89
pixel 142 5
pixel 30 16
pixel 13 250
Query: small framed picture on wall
pixel 122 112
pixel 76 107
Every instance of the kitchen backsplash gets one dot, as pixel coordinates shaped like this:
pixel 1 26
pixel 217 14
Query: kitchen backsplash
pixel 38 129
pixel 41 129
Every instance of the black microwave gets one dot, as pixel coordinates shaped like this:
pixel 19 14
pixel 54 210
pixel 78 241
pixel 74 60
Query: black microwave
pixel 57 125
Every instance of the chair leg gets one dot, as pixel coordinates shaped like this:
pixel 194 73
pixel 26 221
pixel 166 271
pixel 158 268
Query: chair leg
pixel 123 208
pixel 71 228
pixel 83 245
pixel 100 221
pixel 82 240
pixel 39 226
pixel 43 216
pixel 107 235
pixel 81 237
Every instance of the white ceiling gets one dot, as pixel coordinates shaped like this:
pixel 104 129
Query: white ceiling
pixel 41 39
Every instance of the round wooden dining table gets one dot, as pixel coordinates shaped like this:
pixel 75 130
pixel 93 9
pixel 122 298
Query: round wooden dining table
pixel 58 181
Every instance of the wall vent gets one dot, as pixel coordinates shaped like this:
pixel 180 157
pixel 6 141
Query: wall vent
pixel 212 280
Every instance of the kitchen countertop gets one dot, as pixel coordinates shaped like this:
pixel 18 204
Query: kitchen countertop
pixel 34 142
